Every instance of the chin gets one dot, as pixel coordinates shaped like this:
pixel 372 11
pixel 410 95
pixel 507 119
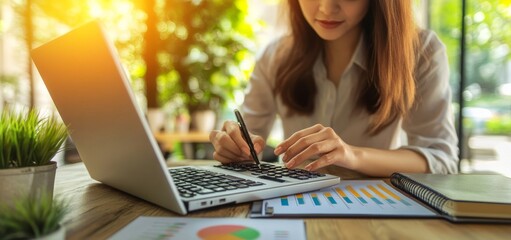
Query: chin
pixel 330 37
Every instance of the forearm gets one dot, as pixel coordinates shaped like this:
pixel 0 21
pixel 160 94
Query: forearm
pixel 382 163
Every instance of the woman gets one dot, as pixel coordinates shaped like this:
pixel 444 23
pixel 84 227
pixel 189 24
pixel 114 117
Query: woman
pixel 356 85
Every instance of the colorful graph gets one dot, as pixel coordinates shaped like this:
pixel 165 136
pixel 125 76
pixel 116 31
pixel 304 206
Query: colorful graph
pixel 299 198
pixel 189 228
pixel 369 195
pixel 284 201
pixel 356 197
pixel 356 194
pixel 328 196
pixel 381 195
pixel 343 195
pixel 228 232
pixel 386 190
pixel 377 193
pixel 315 199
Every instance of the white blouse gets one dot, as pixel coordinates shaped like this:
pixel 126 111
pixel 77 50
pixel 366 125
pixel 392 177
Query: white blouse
pixel 428 129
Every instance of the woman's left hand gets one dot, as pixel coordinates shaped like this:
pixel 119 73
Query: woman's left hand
pixel 317 141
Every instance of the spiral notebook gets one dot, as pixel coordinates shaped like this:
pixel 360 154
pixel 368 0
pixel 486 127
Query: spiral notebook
pixel 462 197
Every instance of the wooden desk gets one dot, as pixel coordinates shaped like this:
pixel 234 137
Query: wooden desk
pixel 98 211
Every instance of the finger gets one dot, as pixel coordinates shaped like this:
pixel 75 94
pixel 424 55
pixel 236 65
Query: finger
pixel 305 142
pixel 259 142
pixel 224 145
pixel 315 149
pixel 284 145
pixel 233 130
pixel 325 160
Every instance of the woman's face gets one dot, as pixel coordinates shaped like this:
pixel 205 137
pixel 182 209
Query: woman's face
pixel 332 19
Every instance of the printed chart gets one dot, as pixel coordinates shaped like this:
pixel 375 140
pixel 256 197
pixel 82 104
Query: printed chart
pixel 219 232
pixel 349 198
pixel 211 229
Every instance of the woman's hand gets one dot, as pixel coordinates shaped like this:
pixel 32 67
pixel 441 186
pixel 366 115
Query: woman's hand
pixel 230 146
pixel 316 141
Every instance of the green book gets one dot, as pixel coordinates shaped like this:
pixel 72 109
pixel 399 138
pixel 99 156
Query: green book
pixel 462 197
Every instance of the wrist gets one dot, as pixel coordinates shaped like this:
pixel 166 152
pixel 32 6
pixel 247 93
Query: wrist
pixel 358 159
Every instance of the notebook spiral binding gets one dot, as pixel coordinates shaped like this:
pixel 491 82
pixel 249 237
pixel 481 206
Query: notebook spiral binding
pixel 419 191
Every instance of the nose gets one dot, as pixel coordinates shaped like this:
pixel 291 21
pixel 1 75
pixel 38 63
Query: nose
pixel 329 7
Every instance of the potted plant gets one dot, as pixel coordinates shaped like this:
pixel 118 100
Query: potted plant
pixel 29 141
pixel 33 218
pixel 208 56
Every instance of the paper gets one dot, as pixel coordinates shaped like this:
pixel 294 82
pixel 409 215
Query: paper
pixel 349 198
pixel 211 229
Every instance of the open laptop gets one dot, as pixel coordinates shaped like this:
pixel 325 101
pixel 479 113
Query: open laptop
pixel 92 93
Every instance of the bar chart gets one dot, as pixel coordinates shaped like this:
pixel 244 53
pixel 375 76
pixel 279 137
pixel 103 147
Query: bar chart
pixel 349 198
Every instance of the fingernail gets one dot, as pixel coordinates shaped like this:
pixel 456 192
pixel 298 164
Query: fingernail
pixel 284 158
pixel 278 150
pixel 257 148
pixel 308 167
pixel 246 150
pixel 290 164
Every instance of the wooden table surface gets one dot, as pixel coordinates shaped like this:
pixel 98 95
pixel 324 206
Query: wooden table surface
pixel 97 211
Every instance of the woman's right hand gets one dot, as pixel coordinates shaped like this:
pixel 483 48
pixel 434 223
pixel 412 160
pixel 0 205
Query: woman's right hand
pixel 230 146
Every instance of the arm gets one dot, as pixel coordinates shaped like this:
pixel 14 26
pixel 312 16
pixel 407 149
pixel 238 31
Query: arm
pixel 324 142
pixel 430 124
pixel 432 140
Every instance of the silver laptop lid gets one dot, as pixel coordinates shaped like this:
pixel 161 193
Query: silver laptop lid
pixel 92 94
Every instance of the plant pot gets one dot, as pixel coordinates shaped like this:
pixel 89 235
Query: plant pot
pixel 59 234
pixel 203 120
pixel 33 181
pixel 156 119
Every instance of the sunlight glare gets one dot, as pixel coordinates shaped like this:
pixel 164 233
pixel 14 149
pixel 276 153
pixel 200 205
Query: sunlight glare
pixel 95 9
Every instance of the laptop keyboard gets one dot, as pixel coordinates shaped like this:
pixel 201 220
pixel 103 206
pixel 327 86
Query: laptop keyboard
pixel 192 181
pixel 271 172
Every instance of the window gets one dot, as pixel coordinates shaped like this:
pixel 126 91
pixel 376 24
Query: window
pixel 480 77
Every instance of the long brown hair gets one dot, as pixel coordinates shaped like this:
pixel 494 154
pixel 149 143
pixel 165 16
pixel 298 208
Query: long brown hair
pixel 391 40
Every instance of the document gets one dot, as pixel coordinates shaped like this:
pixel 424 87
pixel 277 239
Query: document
pixel 211 229
pixel 350 198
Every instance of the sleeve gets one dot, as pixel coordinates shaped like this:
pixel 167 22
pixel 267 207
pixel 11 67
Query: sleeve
pixel 259 105
pixel 430 123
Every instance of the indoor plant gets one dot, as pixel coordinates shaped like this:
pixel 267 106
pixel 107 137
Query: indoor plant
pixel 29 141
pixel 33 217
pixel 208 54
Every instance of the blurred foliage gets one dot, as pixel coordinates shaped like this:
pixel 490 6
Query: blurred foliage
pixel 120 17
pixel 207 52
pixel 499 125
pixel 9 88
pixel 488 48
pixel 487 53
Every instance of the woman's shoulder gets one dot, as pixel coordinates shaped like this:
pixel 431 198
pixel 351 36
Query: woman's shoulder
pixel 429 42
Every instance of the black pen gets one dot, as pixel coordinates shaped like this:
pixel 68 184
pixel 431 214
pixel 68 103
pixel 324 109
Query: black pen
pixel 246 136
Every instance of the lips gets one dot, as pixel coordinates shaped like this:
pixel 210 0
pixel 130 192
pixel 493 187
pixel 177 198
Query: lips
pixel 329 24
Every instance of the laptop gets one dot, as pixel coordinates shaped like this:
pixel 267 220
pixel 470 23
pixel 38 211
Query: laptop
pixel 91 91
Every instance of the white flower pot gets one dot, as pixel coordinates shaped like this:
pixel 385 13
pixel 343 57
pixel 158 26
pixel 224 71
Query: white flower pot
pixel 203 120
pixel 60 234
pixel 19 182
pixel 156 119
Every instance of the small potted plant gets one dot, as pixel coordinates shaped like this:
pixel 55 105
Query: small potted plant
pixel 29 142
pixel 33 218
